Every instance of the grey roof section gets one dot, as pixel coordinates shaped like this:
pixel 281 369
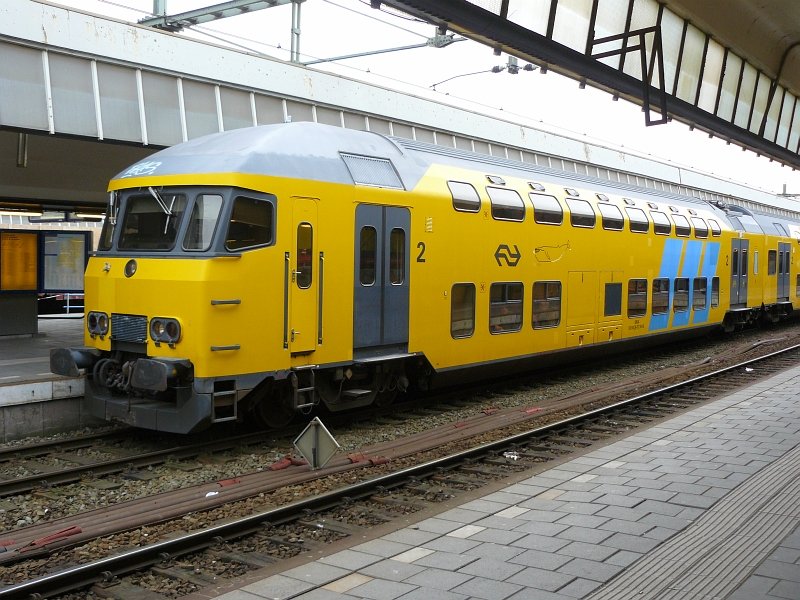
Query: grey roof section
pixel 300 150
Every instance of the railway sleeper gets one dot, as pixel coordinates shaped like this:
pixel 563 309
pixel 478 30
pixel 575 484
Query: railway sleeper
pixel 488 473
pixel 123 590
pixel 407 505
pixel 345 529
pixel 255 560
pixel 187 574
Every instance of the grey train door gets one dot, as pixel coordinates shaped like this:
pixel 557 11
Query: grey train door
pixel 739 266
pixel 380 319
pixel 784 252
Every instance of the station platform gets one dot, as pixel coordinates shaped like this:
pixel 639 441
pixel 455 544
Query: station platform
pixel 33 401
pixel 703 506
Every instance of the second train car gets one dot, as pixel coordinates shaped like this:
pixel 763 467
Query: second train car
pixel 261 271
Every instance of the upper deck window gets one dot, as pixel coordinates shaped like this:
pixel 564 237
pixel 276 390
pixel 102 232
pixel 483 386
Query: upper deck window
pixel 546 209
pixel 611 217
pixel 581 213
pixel 465 198
pixel 661 224
pixel 682 227
pixel 700 227
pixel 637 220
pixel 250 224
pixel 506 204
pixel 151 221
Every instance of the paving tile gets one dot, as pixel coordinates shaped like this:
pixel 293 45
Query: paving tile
pixel 484 506
pixel 320 594
pixel 410 556
pixel 278 587
pixel 445 560
pixel 378 589
pixel 619 500
pixel 541 528
pixel 590 569
pixel 346 583
pixel 786 589
pixel 382 548
pixel 542 560
pixel 438 579
pixel 779 570
pixel 579 588
pixel 436 525
pixel 540 542
pixel 693 500
pixel 585 534
pixel 316 572
pixel 459 515
pixel 581 521
pixel 350 559
pixel 498 536
pixel 623 558
pixel 621 512
pixel 496 551
pixel 429 594
pixel 629 527
pixel 491 568
pixel 549 581
pixel 589 551
pixel 392 570
pixel 466 531
pixel 412 537
pixel 623 541
pixel 452 544
pixel 487 589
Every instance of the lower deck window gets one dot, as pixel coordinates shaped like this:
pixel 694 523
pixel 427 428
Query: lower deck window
pixel 700 293
pixel 680 301
pixel 637 297
pixel 505 307
pixel 715 291
pixel 660 296
pixel 546 304
pixel 462 310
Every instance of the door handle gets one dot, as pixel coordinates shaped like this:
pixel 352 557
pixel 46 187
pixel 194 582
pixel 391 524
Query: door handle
pixel 294 333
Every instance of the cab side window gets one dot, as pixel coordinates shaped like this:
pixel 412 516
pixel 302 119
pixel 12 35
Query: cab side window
pixel 250 224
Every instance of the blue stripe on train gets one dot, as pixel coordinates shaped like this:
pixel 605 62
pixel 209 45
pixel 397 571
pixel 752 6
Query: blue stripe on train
pixel 670 261
pixel 691 267
pixel 709 268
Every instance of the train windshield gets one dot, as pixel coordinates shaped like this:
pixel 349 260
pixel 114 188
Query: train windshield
pixel 151 221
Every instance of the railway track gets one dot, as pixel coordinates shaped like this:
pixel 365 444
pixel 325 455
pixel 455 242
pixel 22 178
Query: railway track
pixel 213 550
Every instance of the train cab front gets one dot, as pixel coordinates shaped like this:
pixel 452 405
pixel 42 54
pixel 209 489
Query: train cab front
pixel 162 293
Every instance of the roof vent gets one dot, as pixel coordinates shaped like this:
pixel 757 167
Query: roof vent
pixel 367 170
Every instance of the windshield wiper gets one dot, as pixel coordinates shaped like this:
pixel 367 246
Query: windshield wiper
pixel 167 209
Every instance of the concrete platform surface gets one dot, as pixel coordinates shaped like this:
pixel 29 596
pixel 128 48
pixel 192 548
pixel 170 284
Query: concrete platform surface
pixel 704 506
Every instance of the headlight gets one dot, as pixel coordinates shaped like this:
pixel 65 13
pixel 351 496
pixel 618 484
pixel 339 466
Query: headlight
pixel 97 323
pixel 165 330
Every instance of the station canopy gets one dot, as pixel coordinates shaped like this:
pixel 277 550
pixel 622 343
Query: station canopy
pixel 728 67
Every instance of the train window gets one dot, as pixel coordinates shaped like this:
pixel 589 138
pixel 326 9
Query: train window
pixel 505 307
pixel 581 213
pixel 772 262
pixel 106 235
pixel 797 286
pixel 546 304
pixel 611 217
pixel 715 291
pixel 637 220
pixel 397 256
pixel 660 296
pixel 546 209
pixel 716 230
pixel 680 302
pixel 682 227
pixel 637 297
pixel 368 245
pixel 661 224
pixel 699 293
pixel 202 222
pixel 612 306
pixel 151 221
pixel 781 229
pixel 507 204
pixel 462 310
pixel 305 255
pixel 465 198
pixel 700 227
pixel 755 261
pixel 250 224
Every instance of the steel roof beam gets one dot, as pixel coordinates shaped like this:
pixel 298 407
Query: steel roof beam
pixel 210 13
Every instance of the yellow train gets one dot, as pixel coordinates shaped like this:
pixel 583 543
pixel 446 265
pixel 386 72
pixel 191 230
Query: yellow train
pixel 258 272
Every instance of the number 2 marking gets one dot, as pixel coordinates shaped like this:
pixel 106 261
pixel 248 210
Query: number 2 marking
pixel 421 255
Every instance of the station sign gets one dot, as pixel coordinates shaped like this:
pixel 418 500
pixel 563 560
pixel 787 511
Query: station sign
pixel 43 261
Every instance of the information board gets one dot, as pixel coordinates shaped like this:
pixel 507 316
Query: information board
pixel 19 265
pixel 64 261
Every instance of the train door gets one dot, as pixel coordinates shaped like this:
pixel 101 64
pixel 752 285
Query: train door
pixel 739 267
pixel 784 251
pixel 380 317
pixel 609 326
pixel 303 279
pixel 581 307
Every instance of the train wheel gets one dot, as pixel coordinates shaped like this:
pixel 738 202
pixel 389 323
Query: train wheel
pixel 385 397
pixel 274 410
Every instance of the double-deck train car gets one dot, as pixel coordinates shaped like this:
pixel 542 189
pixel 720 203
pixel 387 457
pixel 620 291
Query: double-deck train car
pixel 262 271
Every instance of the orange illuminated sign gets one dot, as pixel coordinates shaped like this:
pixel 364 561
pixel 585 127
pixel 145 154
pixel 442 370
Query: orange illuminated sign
pixel 18 261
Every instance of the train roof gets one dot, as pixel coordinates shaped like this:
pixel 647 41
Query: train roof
pixel 306 150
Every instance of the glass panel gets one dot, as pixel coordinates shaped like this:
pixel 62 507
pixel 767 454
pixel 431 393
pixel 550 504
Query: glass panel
pixel 250 225
pixel 700 227
pixel 268 110
pixel 745 96
pixel 329 116
pixel 730 82
pixel 147 226
pixel 73 95
pixel 612 305
pixel 305 255
pixel 637 297
pixel 680 302
pixel 201 109
pixel 682 227
pixel 397 256
pixel 581 213
pixel 715 292
pixel 368 258
pixel 462 310
pixel 735 262
pixel 671 31
pixel 106 235
pixel 660 296
pixel 22 76
pixel 572 23
pixel 531 15
pixel 299 111
pixel 690 66
pixel 379 126
pixel 546 209
pixel 611 15
pixel 505 307
pixel 506 204
pixel 711 76
pixel 715 228
pixel 744 262
pixel 203 221
pixel 236 112
pixel 772 262
pixel 611 216
pixel 465 198
pixel 546 304
pixel 637 220
pixel 119 102
pixel 699 293
pixel 162 112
